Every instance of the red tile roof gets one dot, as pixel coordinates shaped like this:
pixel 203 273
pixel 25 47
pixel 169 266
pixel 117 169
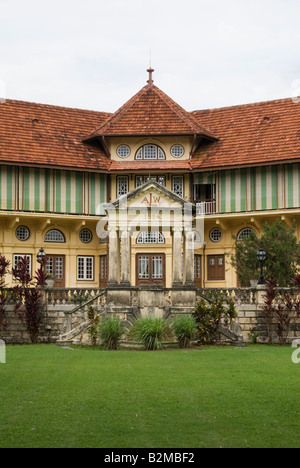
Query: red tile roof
pixel 49 136
pixel 151 112
pixel 253 134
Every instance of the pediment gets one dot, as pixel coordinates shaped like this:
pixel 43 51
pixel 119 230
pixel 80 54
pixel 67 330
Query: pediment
pixel 152 195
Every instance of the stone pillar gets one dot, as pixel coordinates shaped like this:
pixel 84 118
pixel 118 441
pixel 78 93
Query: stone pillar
pixel 113 254
pixel 177 256
pixel 189 258
pixel 125 256
pixel 261 290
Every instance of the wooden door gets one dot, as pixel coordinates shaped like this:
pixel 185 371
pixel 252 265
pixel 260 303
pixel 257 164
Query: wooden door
pixel 215 267
pixel 150 269
pixel 56 267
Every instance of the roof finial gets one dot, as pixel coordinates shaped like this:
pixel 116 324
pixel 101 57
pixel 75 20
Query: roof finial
pixel 150 71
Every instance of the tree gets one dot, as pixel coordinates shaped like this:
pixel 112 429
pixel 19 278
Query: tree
pixel 283 251
pixel 244 259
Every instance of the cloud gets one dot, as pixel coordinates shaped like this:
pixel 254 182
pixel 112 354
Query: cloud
pixel 95 54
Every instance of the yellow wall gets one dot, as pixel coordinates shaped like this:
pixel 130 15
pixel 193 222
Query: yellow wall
pixel 39 226
pixel 135 143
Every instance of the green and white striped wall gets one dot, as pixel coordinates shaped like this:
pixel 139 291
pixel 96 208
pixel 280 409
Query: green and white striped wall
pixel 45 190
pixel 255 189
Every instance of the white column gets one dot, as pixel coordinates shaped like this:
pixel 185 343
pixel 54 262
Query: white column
pixel 177 256
pixel 113 254
pixel 189 254
pixel 125 256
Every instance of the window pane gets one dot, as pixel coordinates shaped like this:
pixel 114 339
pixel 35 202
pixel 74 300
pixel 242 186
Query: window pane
pixel 143 267
pixel 89 268
pixel 59 268
pixel 22 233
pixel 153 237
pixel 178 186
pixel 18 258
pixel 54 236
pixel 122 186
pixel 80 268
pixel 139 154
pixel 157 267
pixel 150 152
pixel 123 151
pixel 161 154
pixel 49 266
pixel 139 180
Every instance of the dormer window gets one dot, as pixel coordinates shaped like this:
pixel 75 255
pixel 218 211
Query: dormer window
pixel 150 152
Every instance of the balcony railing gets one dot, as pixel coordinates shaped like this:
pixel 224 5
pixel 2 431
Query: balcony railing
pixel 206 208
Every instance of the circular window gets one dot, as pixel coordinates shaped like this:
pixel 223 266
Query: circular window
pixel 22 233
pixel 85 236
pixel 123 151
pixel 177 151
pixel 215 235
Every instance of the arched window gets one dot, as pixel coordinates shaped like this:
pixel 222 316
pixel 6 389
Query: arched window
pixel 150 152
pixel 151 237
pixel 245 234
pixel 55 236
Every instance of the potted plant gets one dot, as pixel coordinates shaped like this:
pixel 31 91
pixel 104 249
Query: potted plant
pixel 49 282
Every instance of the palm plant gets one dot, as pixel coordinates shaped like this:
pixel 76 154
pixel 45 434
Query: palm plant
pixel 110 332
pixel 184 328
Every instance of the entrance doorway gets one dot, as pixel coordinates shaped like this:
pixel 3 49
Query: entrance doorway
pixel 56 267
pixel 150 269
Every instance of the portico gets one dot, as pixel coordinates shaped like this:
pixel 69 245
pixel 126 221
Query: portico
pixel 151 239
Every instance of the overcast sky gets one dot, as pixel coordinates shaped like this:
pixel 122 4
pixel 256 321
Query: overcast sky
pixel 93 54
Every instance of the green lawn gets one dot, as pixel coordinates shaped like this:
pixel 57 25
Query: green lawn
pixel 210 397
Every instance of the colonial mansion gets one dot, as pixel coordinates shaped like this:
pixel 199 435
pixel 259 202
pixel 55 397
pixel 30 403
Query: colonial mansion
pixel 116 200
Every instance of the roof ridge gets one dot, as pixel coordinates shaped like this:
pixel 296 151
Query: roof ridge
pixel 179 110
pixel 250 104
pixel 184 117
pixel 119 113
pixel 54 106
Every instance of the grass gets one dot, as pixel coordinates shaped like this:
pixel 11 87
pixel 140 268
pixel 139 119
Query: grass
pixel 210 397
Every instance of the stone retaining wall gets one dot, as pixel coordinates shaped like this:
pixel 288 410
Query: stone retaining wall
pixel 59 319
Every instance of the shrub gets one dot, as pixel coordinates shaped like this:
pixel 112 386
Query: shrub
pixel 208 318
pixel 151 331
pixel 184 329
pixel 110 332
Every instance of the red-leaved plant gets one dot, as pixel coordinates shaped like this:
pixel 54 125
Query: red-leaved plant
pixel 4 264
pixel 28 300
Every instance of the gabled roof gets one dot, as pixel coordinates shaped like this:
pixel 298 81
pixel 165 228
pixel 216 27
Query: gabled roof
pixel 151 112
